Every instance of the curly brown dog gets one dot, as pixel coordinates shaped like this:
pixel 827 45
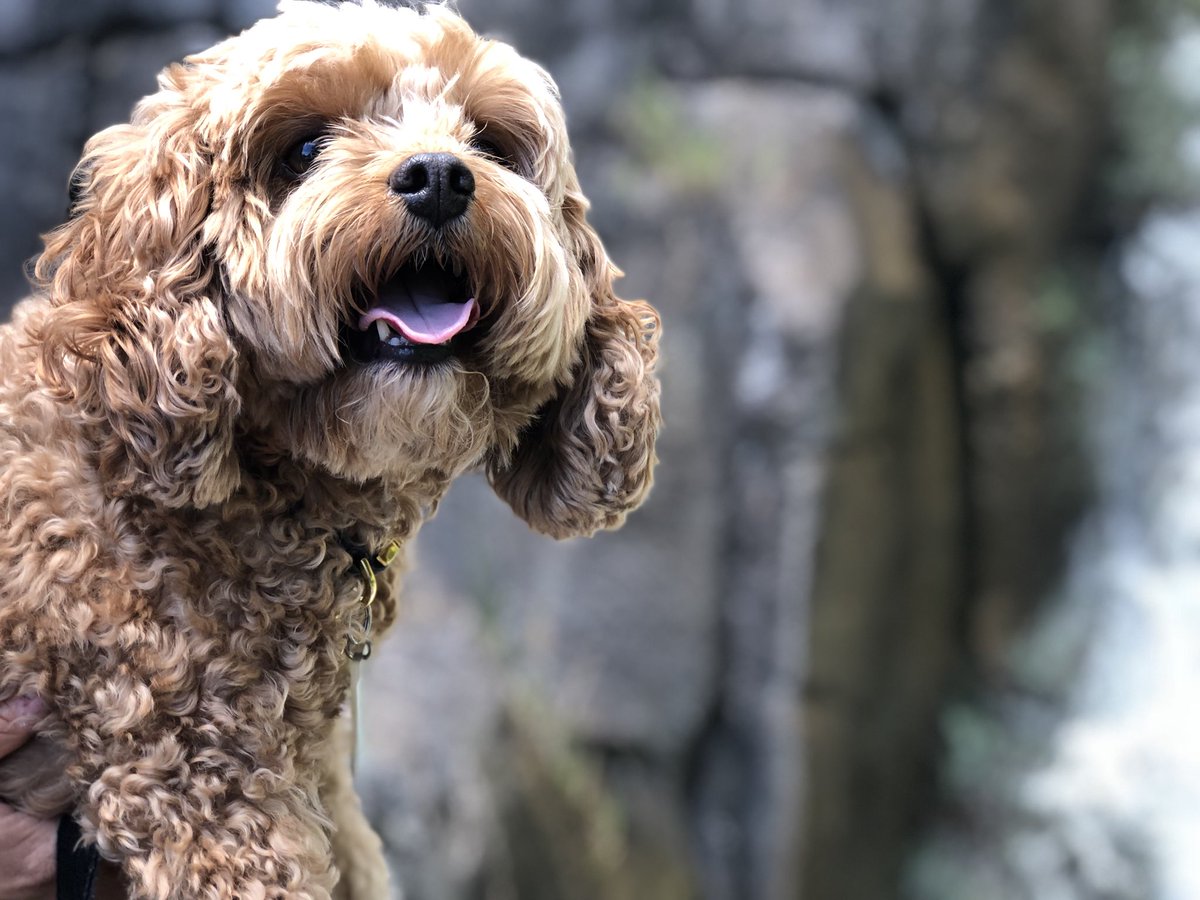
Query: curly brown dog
pixel 330 265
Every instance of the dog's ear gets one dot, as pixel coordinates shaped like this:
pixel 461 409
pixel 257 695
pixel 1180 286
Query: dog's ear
pixel 136 337
pixel 588 457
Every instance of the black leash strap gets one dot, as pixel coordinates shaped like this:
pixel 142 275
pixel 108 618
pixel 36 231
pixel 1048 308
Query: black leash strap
pixel 77 864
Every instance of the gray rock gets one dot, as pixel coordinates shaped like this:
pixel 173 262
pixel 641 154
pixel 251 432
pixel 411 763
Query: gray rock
pixel 239 14
pixel 430 722
pixel 19 24
pixel 156 13
pixel 124 68
pixel 810 39
pixel 42 102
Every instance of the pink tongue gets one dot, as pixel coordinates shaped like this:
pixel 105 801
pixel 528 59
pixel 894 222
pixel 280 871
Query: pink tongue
pixel 418 307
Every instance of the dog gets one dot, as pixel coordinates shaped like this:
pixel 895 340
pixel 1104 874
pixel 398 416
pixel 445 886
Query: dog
pixel 331 264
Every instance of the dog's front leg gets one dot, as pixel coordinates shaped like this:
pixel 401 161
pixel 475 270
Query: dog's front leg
pixel 200 826
pixel 183 831
pixel 196 790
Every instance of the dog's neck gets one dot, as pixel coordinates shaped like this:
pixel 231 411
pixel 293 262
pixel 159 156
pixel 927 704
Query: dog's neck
pixel 290 533
pixel 366 514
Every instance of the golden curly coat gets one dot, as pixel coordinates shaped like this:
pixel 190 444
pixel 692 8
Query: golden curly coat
pixel 192 435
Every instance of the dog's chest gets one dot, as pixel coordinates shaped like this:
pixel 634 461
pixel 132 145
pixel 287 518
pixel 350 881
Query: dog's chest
pixel 273 603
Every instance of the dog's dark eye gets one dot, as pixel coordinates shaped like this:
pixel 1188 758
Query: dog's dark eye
pixel 489 147
pixel 301 156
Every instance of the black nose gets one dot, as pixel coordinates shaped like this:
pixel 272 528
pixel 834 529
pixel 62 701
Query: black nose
pixel 437 187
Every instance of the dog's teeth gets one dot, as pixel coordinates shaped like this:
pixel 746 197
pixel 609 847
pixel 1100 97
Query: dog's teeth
pixel 394 341
pixel 382 328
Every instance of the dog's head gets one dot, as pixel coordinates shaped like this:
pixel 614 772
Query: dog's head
pixel 352 235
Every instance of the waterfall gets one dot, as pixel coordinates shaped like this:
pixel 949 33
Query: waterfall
pixel 1120 792
pixel 1081 779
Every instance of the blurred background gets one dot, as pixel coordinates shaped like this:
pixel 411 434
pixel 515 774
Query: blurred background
pixel 914 609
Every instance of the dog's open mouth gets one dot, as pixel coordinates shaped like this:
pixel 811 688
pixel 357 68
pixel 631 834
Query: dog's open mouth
pixel 417 316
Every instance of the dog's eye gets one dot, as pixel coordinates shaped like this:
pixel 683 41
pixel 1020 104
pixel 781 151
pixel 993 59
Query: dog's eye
pixel 489 147
pixel 301 156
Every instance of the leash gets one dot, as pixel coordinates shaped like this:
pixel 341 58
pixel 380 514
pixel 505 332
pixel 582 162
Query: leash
pixel 368 567
pixel 77 864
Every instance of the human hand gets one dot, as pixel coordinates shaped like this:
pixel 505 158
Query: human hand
pixel 26 844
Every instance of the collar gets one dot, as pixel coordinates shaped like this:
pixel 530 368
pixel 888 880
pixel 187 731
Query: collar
pixel 367 565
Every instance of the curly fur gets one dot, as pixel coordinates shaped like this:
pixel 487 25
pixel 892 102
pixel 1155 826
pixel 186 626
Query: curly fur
pixel 184 451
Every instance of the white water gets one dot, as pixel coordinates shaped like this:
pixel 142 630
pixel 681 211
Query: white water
pixel 1122 788
pixel 1123 780
pixel 1110 810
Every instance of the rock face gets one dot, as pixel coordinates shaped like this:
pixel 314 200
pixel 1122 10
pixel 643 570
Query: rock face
pixel 848 216
pixel 66 71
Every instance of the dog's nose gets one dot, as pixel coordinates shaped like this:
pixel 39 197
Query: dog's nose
pixel 437 187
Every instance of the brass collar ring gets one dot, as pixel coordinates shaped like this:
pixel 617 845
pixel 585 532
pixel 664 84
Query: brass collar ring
pixel 367 567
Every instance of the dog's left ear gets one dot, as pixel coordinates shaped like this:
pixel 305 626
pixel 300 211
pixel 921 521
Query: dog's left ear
pixel 137 338
pixel 588 458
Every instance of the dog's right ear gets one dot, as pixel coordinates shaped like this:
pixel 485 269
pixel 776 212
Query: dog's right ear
pixel 136 337
pixel 588 457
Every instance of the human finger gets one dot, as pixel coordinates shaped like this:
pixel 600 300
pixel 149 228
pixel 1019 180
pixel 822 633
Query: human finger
pixel 18 716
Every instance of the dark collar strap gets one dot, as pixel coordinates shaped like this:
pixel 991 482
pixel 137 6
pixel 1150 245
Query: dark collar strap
pixel 77 863
pixel 360 554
